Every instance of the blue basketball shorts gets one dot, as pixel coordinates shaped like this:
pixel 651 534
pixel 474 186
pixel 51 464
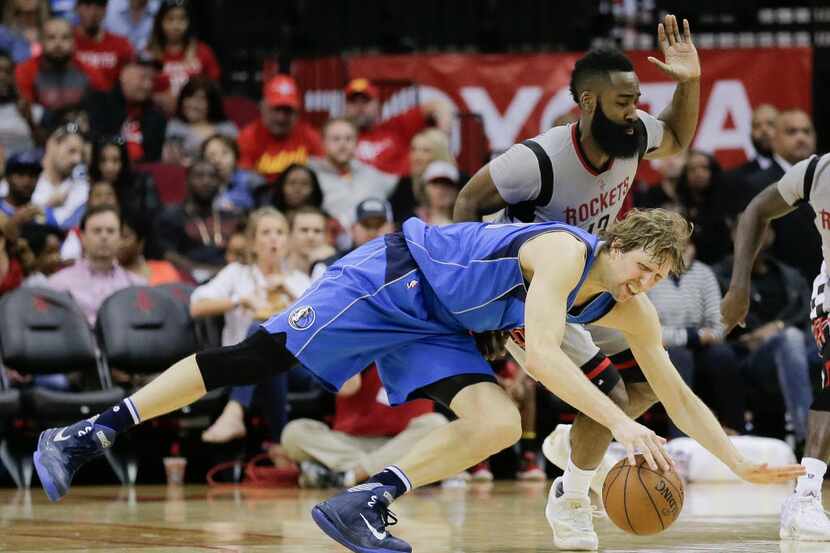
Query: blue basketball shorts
pixel 373 305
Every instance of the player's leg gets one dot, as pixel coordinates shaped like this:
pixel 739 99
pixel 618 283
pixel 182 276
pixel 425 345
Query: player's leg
pixel 329 312
pixel 62 451
pixel 802 515
pixel 448 369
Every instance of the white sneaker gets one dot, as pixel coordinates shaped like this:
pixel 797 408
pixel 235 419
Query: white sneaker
pixel 571 519
pixel 803 518
pixel 557 450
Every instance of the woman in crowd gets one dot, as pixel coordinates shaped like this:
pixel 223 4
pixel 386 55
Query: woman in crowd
pixel 136 192
pixel 427 146
pixel 440 191
pixel 22 26
pixel 172 42
pixel 245 293
pixel 131 256
pixel 703 199
pixel 199 115
pixel 239 186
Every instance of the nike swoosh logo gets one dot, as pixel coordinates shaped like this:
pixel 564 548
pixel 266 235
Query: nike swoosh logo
pixel 379 535
pixel 59 437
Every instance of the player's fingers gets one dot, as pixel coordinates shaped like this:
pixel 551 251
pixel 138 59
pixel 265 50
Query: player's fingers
pixel 669 30
pixel 661 456
pixel 661 37
pixel 660 64
pixel 646 449
pixel 675 29
pixel 687 32
pixel 629 452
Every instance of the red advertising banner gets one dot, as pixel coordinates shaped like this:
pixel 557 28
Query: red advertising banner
pixel 518 96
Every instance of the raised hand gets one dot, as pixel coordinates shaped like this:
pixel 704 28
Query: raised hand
pixel 681 60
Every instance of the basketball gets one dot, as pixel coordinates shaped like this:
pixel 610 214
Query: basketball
pixel 640 500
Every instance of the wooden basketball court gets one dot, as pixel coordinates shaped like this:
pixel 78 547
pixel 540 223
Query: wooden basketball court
pixel 503 518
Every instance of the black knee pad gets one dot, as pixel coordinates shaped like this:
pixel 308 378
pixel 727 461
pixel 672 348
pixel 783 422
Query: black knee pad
pixel 602 372
pixel 629 369
pixel 257 357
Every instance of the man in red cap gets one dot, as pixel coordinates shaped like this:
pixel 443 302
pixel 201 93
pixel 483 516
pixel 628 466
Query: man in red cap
pixel 278 138
pixel 385 144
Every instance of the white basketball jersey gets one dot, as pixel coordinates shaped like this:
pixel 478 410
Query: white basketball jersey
pixel 809 181
pixel 548 178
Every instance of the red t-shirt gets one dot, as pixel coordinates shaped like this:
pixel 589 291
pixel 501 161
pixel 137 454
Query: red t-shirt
pixel 178 68
pixel 13 277
pixel 362 414
pixel 386 145
pixel 109 55
pixel 56 91
pixel 261 151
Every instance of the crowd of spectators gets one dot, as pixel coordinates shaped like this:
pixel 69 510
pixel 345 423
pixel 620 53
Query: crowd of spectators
pixel 95 97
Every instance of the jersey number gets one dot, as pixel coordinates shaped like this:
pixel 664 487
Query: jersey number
pixel 602 224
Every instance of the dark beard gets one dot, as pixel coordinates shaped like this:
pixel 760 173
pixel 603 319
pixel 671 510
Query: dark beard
pixel 57 61
pixel 612 137
pixel 761 149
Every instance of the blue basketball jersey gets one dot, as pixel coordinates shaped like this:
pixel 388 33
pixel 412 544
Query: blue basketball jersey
pixel 474 271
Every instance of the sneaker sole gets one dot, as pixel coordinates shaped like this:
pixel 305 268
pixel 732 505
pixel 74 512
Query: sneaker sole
pixel 46 481
pixel 328 527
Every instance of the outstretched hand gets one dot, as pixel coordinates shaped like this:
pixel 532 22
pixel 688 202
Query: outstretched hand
pixel 681 61
pixel 764 474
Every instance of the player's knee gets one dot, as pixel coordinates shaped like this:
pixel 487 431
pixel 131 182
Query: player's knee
pixel 505 429
pixel 640 398
pixel 619 395
pixel 257 357
pixel 295 434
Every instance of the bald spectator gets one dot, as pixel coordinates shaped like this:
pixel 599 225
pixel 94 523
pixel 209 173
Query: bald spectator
pixel 796 241
pixel 128 110
pixel 97 47
pixel 344 180
pixel 56 79
pixel 278 138
pixel 97 275
pixel 385 144
pixel 762 134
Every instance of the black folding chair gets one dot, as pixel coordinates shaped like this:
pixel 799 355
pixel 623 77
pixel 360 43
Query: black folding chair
pixel 43 331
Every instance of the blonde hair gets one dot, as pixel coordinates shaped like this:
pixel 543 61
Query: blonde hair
pixel 251 227
pixel 438 142
pixel 663 234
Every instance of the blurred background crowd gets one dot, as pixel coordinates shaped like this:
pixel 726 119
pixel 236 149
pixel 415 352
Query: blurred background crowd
pixel 178 145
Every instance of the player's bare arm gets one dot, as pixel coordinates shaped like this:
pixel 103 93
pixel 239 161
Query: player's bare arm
pixel 752 225
pixel 638 320
pixel 478 197
pixel 682 65
pixel 552 277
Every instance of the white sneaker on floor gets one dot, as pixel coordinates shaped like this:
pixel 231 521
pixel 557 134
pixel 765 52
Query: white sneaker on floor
pixel 557 450
pixel 803 518
pixel 571 519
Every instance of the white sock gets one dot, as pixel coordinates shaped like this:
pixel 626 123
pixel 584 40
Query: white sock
pixel 576 481
pixel 810 483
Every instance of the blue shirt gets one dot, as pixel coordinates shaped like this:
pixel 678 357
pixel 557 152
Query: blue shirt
pixel 475 273
pixel 118 21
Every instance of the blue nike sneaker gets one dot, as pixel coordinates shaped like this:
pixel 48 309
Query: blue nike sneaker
pixel 62 451
pixel 357 519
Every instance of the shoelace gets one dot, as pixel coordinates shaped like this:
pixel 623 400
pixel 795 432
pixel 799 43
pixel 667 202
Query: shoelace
pixel 386 515
pixel 589 511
